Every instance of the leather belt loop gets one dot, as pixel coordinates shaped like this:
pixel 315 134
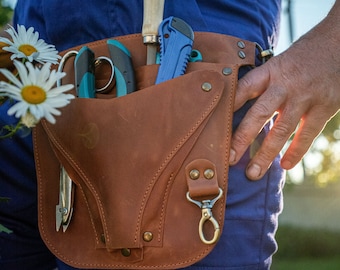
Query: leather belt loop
pixel 215 48
pixel 201 177
pixel 203 184
pixel 219 48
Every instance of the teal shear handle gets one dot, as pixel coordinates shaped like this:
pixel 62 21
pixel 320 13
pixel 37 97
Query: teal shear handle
pixel 123 68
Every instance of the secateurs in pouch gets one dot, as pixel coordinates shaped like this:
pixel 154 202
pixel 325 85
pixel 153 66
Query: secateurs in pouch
pixel 85 85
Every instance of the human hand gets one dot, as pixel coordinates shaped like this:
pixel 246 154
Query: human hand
pixel 302 85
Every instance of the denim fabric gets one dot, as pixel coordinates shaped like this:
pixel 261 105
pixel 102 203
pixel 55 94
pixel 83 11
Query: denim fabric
pixel 252 207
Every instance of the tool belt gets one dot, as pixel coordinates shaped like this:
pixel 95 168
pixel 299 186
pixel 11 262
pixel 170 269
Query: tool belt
pixel 149 169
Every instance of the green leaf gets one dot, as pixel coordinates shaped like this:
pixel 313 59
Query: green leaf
pixel 4 229
pixel 4 199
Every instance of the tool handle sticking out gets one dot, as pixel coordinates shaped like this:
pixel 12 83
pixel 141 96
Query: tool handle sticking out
pixel 153 16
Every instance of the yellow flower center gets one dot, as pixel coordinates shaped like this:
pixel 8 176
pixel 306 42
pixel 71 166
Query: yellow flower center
pixel 33 94
pixel 27 49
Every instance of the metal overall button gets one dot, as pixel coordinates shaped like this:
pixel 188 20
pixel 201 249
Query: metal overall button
pixel 206 206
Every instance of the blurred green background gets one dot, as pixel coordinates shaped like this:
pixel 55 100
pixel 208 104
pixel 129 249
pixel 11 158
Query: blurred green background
pixel 5 13
pixel 307 249
pixel 309 227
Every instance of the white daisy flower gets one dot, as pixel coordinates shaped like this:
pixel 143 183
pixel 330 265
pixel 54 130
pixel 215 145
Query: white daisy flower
pixel 28 120
pixel 26 44
pixel 34 92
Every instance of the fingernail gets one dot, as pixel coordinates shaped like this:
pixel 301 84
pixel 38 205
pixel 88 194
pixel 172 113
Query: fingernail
pixel 254 171
pixel 232 156
pixel 287 165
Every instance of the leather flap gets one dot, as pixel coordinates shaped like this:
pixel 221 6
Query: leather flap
pixel 110 146
pixel 129 158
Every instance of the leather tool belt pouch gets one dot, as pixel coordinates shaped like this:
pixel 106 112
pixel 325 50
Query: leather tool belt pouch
pixel 148 168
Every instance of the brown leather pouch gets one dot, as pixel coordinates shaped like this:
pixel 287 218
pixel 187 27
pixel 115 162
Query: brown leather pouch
pixel 5 60
pixel 148 167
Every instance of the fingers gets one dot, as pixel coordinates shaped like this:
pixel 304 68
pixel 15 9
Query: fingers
pixel 264 108
pixel 292 113
pixel 270 147
pixel 251 86
pixel 300 97
pixel 310 127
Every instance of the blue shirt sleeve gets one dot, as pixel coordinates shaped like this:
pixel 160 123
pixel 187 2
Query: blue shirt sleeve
pixel 248 235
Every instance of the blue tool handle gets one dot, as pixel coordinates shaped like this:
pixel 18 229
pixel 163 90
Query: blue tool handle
pixel 176 39
pixel 84 73
pixel 121 58
pixel 195 56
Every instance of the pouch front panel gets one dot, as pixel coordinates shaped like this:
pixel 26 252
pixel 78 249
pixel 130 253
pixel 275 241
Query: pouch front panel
pixel 127 158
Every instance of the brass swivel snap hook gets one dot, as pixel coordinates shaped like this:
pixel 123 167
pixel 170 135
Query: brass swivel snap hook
pixel 264 55
pixel 206 206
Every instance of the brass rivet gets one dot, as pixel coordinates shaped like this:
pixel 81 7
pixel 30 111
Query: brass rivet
pixel 102 238
pixel 206 87
pixel 194 174
pixel 126 252
pixel 242 54
pixel 148 236
pixel 227 71
pixel 209 174
pixel 241 44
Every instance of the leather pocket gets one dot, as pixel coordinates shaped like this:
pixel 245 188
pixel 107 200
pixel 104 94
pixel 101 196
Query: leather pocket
pixel 127 157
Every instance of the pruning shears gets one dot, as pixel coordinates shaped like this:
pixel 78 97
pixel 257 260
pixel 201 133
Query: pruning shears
pixel 64 208
pixel 122 68
pixel 84 64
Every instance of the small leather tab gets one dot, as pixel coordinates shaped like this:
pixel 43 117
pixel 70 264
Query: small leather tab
pixel 201 177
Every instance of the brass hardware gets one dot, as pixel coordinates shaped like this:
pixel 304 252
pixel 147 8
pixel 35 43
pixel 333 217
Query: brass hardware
pixel 126 252
pixel 194 174
pixel 267 54
pixel 242 54
pixel 227 71
pixel 206 87
pixel 209 174
pixel 241 44
pixel 207 216
pixel 206 207
pixel 148 236
pixel 264 55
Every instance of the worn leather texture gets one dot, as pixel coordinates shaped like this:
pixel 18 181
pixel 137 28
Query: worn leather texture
pixel 130 160
pixel 5 60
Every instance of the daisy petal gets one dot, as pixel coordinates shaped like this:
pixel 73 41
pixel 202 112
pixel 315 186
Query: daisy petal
pixel 42 52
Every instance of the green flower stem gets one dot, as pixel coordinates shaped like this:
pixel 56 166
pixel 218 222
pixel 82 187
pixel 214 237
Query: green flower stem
pixel 10 130
pixel 4 229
